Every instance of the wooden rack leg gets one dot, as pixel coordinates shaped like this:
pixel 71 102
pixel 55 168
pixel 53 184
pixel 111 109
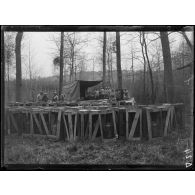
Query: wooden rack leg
pixel 149 125
pixel 14 122
pixel 66 128
pixel 90 126
pixel 132 131
pixel 96 129
pixel 70 127
pixel 44 123
pixel 38 125
pixel 82 126
pixel 167 122
pixel 58 124
pixel 140 124
pixel 31 124
pixel 75 126
pixel 114 122
pixel 127 124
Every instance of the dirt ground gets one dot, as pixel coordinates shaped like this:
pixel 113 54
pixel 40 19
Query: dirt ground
pixel 36 150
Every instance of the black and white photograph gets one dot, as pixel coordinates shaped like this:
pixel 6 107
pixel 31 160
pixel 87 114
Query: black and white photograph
pixel 97 97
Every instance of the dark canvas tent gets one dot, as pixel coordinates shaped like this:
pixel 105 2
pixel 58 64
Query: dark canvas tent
pixel 76 90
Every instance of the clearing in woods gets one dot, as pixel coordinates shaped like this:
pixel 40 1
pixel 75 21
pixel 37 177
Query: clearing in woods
pixel 36 150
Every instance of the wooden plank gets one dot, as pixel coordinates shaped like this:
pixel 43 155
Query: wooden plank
pixel 90 125
pixel 59 124
pixel 167 122
pixel 31 124
pixel 37 122
pixel 75 126
pixel 114 122
pixel 96 129
pixel 70 127
pixel 127 124
pixel 133 127
pixel 44 123
pixel 66 128
pixel 14 122
pixel 149 124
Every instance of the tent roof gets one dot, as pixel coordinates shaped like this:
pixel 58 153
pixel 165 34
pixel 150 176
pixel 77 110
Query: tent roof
pixel 86 84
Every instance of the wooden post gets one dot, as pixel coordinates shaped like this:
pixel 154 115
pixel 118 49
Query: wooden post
pixel 58 124
pixel 82 125
pixel 90 125
pixel 38 125
pixel 167 122
pixel 127 124
pixel 66 128
pixel 114 122
pixel 70 127
pixel 132 131
pixel 14 122
pixel 149 124
pixel 31 124
pixel 44 123
pixel 75 126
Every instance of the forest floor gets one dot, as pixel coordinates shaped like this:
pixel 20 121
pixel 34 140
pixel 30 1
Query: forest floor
pixel 36 150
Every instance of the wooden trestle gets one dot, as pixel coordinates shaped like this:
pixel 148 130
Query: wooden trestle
pixel 72 123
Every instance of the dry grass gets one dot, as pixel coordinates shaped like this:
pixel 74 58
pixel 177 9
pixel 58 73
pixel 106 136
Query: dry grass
pixel 34 150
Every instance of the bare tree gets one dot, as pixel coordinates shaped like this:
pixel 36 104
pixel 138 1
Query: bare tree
pixel 168 74
pixel 150 69
pixel 104 58
pixel 9 55
pixel 118 56
pixel 144 76
pixel 18 66
pixel 61 63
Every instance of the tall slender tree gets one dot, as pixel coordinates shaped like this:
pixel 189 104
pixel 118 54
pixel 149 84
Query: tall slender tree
pixel 104 59
pixel 18 66
pixel 118 56
pixel 61 63
pixel 150 69
pixel 168 74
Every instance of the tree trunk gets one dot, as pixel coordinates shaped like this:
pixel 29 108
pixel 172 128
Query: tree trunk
pixel 168 74
pixel 18 66
pixel 150 70
pixel 104 60
pixel 118 56
pixel 187 40
pixel 61 63
pixel 144 77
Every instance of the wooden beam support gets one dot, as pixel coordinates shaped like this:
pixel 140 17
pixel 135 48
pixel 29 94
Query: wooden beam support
pixel 58 124
pixel 70 127
pixel 37 122
pixel 75 126
pixel 14 122
pixel 133 127
pixel 44 123
pixel 149 124
pixel 31 124
pixel 167 121
pixel 66 128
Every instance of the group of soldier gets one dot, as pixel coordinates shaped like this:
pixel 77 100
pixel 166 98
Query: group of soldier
pixel 108 93
pixel 43 97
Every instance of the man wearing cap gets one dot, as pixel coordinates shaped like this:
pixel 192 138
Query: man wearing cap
pixel 55 97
